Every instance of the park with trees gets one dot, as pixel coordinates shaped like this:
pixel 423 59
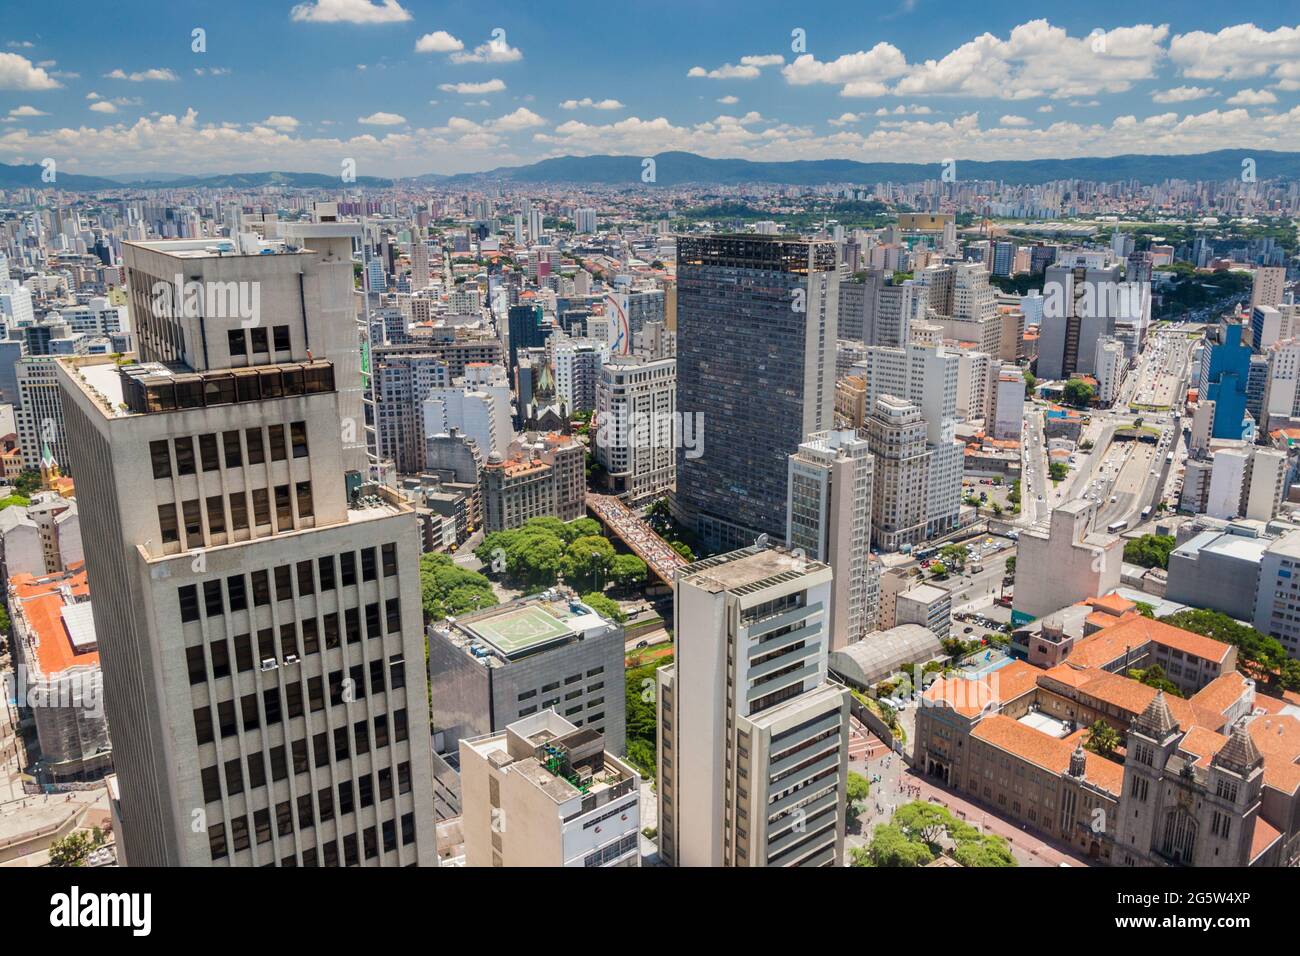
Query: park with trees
pixel 546 550
pixel 920 832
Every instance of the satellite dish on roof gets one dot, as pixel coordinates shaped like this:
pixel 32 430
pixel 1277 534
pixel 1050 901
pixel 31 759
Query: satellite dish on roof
pixel 760 541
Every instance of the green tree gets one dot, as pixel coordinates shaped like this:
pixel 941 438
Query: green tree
pixel 627 570
pixel 891 847
pixel 581 527
pixel 1102 738
pixel 939 569
pixel 683 549
pixel 1031 383
pixel 72 850
pixel 986 850
pixel 954 555
pixel 1150 550
pixel 928 822
pixel 1256 652
pixel 1077 393
pixel 1011 566
pixel 859 789
pixel 549 524
pixel 587 560
pixel 642 726
pixel 1145 608
pixel 446 589
pixel 606 607
pixel 27 482
pixel 1058 471
pixel 1154 676
pixel 536 559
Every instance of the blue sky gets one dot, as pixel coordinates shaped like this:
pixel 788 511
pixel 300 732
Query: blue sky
pixel 405 87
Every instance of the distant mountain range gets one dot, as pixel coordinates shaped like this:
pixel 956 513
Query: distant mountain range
pixel 16 177
pixel 674 169
pixel 678 168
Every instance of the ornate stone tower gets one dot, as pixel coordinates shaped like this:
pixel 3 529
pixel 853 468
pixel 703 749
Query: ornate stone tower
pixel 1152 741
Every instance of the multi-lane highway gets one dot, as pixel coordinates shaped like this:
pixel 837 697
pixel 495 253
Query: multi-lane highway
pixel 1126 474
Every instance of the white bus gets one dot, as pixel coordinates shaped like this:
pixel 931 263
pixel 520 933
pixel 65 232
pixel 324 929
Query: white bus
pixel 1115 527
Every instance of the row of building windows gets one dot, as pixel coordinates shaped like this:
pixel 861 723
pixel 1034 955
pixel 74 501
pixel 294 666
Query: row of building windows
pixel 194 454
pixel 237 593
pixel 328 855
pixel 320 751
pixel 191 513
pixel 341 689
pixel 255 340
pixel 251 651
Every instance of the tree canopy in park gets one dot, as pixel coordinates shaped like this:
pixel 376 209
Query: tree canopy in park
pixel 446 589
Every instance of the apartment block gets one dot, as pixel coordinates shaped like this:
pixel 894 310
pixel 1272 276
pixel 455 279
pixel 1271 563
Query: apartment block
pixel 896 438
pixel 829 519
pixel 635 427
pixel 753 739
pixel 57 669
pixel 756 333
pixel 544 793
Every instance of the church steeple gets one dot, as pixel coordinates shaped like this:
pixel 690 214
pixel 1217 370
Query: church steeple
pixel 1157 721
pixel 49 467
pixel 1079 762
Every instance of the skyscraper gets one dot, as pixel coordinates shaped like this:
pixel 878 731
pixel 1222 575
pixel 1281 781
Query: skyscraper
pixel 756 327
pixel 830 519
pixel 419 262
pixel 753 738
pixel 524 327
pixel 255 624
pixel 925 375
pixel 896 436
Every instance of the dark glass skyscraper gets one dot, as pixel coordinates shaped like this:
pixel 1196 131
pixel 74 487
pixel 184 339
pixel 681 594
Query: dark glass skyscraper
pixel 756 328
pixel 524 323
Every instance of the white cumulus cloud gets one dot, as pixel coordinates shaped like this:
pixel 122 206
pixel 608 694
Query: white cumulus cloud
pixel 18 73
pixel 382 119
pixel 350 11
pixel 474 89
pixel 439 41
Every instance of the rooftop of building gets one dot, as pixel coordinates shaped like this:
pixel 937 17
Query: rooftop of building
pixel 747 570
pixel 246 244
pixel 969 697
pixel 881 653
pixel 1225 544
pixel 56 609
pixel 925 594
pixel 1047 752
pixel 508 632
pixel 562 761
